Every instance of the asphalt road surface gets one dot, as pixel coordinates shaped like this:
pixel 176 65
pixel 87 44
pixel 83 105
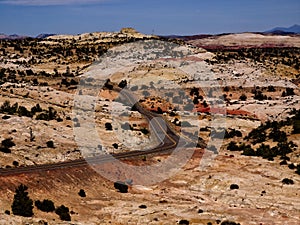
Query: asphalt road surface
pixel 168 137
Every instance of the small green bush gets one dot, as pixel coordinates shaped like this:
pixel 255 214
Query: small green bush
pixel 45 206
pixel 50 144
pixel 121 186
pixel 63 213
pixel 81 193
pixel 287 181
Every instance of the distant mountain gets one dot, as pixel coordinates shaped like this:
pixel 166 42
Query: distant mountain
pixel 18 37
pixel 12 37
pixel 42 36
pixel 295 29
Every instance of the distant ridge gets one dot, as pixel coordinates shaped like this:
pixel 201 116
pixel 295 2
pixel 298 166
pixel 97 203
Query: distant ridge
pixel 11 37
pixel 295 29
pixel 42 36
pixel 20 37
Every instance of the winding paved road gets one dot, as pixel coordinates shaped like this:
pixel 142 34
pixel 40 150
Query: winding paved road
pixel 160 127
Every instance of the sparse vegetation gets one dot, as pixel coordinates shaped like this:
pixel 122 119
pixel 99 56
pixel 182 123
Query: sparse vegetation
pixel 45 206
pixel 22 205
pixel 81 193
pixel 63 212
pixel 121 186
pixel 108 126
pixel 6 144
pixel 50 144
pixel 229 223
pixel 184 222
pixel 234 186
pixel 36 71
pixel 287 181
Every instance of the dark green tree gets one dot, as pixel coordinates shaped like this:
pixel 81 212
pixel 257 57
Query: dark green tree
pixel 45 206
pixel 81 193
pixel 63 213
pixel 22 204
pixel 123 84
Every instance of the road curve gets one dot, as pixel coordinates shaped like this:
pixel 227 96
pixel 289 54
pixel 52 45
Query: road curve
pixel 170 142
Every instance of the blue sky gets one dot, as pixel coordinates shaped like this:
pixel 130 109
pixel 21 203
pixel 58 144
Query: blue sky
pixel 32 17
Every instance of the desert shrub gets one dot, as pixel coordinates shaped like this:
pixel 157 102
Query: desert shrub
pixel 72 82
pixel 284 148
pixel 5 150
pixel 196 101
pixel 45 206
pixel 283 94
pixel 248 151
pixel 123 84
pixel 108 84
pixel 232 146
pixel 271 88
pixel 134 107
pixel 108 126
pixel 42 116
pixel 63 213
pixel 159 110
pixel 50 114
pixel 233 133
pixel 287 181
pixel 50 144
pixel 8 143
pixel 59 120
pixel 22 205
pixel 184 222
pixel 5 107
pixel 226 89
pixel 81 193
pixel 298 169
pixel 22 111
pixel 292 166
pixel 258 95
pixel 257 136
pixel 229 223
pixel 234 186
pixel 144 131
pixel 296 126
pixel 243 97
pixel 266 152
pixel 35 109
pixel 121 186
pixel 283 162
pixel 278 136
pixel 289 91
